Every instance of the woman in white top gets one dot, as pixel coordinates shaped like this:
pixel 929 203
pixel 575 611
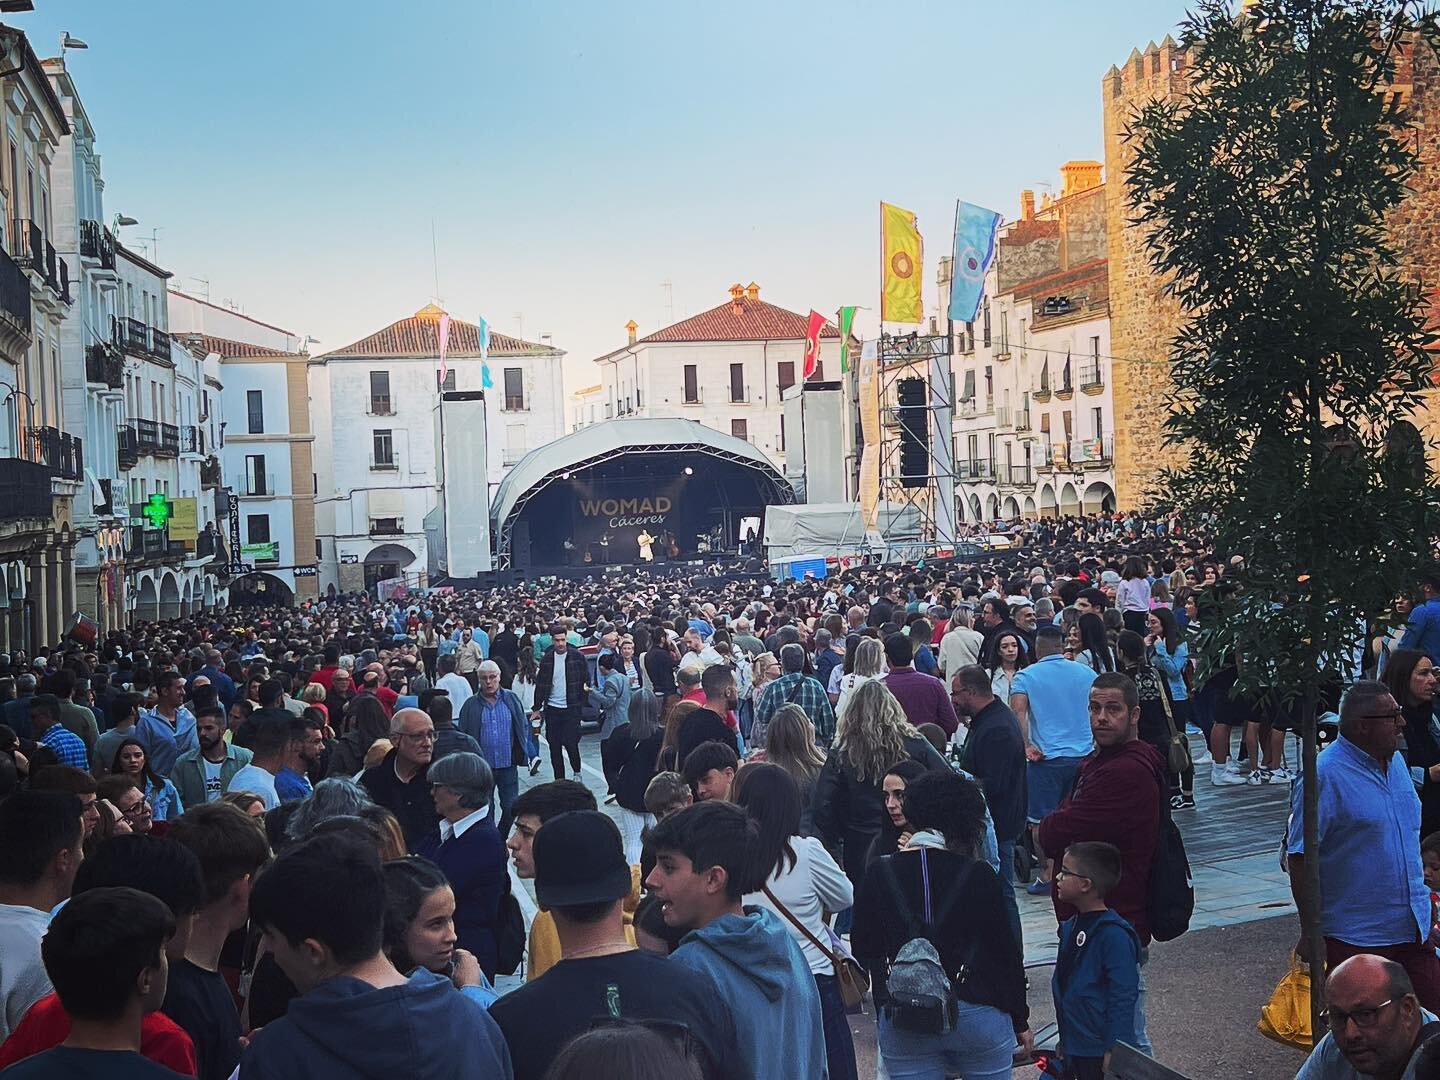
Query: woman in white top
pixel 1006 657
pixel 961 644
pixel 1132 595
pixel 804 885
pixel 868 664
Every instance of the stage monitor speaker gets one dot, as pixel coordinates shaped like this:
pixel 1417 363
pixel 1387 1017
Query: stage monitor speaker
pixel 520 546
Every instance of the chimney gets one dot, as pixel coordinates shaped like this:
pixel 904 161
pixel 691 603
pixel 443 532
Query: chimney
pixel 1079 176
pixel 630 328
pixel 752 291
pixel 1027 205
pixel 736 292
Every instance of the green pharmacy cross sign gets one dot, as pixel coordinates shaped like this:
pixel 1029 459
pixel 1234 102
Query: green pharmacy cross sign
pixel 156 511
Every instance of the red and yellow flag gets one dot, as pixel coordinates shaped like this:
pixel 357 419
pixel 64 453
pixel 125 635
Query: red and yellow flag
pixel 812 343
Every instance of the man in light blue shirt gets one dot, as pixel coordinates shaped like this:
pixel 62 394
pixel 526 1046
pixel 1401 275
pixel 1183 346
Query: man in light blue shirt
pixel 1373 897
pixel 1051 700
pixel 1422 631
pixel 168 730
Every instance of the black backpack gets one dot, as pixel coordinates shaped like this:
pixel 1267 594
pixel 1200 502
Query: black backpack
pixel 1172 891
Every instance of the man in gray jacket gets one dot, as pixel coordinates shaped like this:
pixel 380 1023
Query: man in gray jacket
pixel 201 775
pixel 495 719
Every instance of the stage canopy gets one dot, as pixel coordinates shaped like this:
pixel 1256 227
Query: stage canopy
pixel 818 530
pixel 595 490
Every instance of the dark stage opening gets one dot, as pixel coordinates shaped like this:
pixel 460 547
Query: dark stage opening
pixel 689 503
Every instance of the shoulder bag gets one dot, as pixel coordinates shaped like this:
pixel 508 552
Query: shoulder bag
pixel 850 975
pixel 1177 756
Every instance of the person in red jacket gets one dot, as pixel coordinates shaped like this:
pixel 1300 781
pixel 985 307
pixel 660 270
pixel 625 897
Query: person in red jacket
pixel 47 1025
pixel 1116 800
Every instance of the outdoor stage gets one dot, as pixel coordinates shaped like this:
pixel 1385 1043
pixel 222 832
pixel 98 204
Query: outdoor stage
pixel 592 502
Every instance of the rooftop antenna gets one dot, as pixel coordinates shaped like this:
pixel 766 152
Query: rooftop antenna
pixel 435 262
pixel 206 283
pixel 520 322
pixel 669 287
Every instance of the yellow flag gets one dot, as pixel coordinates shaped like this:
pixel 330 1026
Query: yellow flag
pixel 900 240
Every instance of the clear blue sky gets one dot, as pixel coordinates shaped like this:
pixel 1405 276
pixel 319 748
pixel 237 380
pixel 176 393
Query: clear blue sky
pixel 573 155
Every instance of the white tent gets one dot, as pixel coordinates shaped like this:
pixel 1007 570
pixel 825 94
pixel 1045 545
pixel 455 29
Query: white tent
pixel 818 530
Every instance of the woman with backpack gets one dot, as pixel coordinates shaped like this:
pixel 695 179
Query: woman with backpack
pixel 931 926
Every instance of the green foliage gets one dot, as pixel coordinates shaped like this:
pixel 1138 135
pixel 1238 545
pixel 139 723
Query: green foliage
pixel 1304 349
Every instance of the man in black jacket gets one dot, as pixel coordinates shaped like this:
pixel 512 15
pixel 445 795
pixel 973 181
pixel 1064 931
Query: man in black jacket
pixel 995 755
pixel 561 688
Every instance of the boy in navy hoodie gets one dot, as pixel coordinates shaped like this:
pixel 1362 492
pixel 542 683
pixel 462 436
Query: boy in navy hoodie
pixel 704 866
pixel 1097 972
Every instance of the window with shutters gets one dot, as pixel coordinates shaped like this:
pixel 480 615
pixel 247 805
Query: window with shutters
pixel 448 383
pixel 691 384
pixel 382 450
pixel 785 370
pixel 740 429
pixel 737 382
pixel 255 412
pixel 514 389
pixel 380 393
pixel 257 528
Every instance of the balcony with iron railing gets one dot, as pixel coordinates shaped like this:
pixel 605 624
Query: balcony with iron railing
pixel 1092 453
pixel 59 451
pixel 14 294
pixel 515 403
pixel 1053 456
pixel 1092 379
pixel 52 269
pixel 127 447
pixel 387 527
pixel 211 475
pixel 1022 420
pixel 380 405
pixel 384 463
pixel 97 242
pixel 259 484
pixel 104 365
pixel 1003 416
pixel 695 397
pixel 209 545
pixel 27 245
pixel 975 469
pixel 159 344
pixel 169 441
pixel 968 408
pixel 25 490
pixel 65 281
pixel 130 335
pixel 1016 476
pixel 192 439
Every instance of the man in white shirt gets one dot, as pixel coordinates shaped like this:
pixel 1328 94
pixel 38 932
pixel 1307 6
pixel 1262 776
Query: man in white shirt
pixel 40 837
pixel 267 736
pixel 457 686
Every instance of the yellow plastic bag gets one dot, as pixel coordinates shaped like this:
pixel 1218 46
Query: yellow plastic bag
pixel 1286 1016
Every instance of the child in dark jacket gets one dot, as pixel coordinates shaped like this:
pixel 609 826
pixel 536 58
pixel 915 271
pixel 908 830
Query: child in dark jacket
pixel 1097 972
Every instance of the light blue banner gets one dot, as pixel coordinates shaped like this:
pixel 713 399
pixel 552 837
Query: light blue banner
pixel 975 229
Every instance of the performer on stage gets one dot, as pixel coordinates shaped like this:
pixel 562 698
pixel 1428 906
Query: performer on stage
pixel 645 540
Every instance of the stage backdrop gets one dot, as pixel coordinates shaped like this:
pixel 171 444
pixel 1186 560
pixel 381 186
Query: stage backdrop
pixel 607 518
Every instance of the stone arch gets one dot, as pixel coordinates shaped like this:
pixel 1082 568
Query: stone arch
pixel 1099 498
pixel 1069 500
pixel 992 507
pixel 147 599
pixel 976 514
pixel 1029 509
pixel 169 596
pixel 1010 509
pixel 207 594
pixel 259 589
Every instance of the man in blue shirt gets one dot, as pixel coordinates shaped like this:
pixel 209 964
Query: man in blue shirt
pixel 168 730
pixel 495 719
pixel 1373 897
pixel 45 722
pixel 1051 701
pixel 1423 630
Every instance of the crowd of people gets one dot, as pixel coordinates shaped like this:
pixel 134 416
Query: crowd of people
pixel 281 841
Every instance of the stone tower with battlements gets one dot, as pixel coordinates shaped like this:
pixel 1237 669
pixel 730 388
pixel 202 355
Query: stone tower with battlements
pixel 1144 320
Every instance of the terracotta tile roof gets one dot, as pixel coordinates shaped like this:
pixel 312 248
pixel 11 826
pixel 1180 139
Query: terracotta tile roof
pixel 419 336
pixel 741 319
pixel 227 348
pixel 1094 273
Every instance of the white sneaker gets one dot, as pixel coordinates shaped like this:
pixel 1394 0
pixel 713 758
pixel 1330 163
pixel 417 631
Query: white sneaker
pixel 1237 768
pixel 1258 777
pixel 1203 758
pixel 1281 775
pixel 1221 776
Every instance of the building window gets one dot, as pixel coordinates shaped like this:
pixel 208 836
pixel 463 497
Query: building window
pixel 740 429
pixel 782 432
pixel 448 384
pixel 383 452
pixel 985 325
pixel 514 389
pixel 256 481
pixel 380 393
pixel 786 371
pixel 1098 416
pixel 318 552
pixel 692 384
pixel 257 528
pixel 737 382
pixel 255 411
pixel 1095 352
pixel 1004 331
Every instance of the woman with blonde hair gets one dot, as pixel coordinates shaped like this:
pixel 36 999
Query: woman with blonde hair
pixel 871 736
pixel 790 743
pixel 668 761
pixel 869 665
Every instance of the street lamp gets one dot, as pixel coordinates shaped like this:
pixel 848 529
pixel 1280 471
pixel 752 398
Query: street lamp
pixel 68 42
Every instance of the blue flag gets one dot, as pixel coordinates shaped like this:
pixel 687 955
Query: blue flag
pixel 486 382
pixel 975 229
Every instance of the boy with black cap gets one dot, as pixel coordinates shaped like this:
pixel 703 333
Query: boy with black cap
pixel 581 877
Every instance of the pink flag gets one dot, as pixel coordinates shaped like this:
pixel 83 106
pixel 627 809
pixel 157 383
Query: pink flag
pixel 444 342
pixel 812 343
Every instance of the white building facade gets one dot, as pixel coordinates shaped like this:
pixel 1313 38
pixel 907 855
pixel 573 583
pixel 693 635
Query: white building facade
pixel 726 368
pixel 375 404
pixel 1034 419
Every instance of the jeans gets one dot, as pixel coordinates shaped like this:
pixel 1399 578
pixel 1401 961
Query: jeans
pixel 1007 886
pixel 839 1043
pixel 507 788
pixel 980 1048
pixel 1142 1036
pixel 562 732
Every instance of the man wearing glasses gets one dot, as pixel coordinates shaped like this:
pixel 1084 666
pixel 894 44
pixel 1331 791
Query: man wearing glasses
pixel 1373 897
pixel 1376 1025
pixel 399 782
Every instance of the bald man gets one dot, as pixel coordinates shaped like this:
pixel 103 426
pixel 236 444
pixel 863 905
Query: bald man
pixel 399 782
pixel 1376 1023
